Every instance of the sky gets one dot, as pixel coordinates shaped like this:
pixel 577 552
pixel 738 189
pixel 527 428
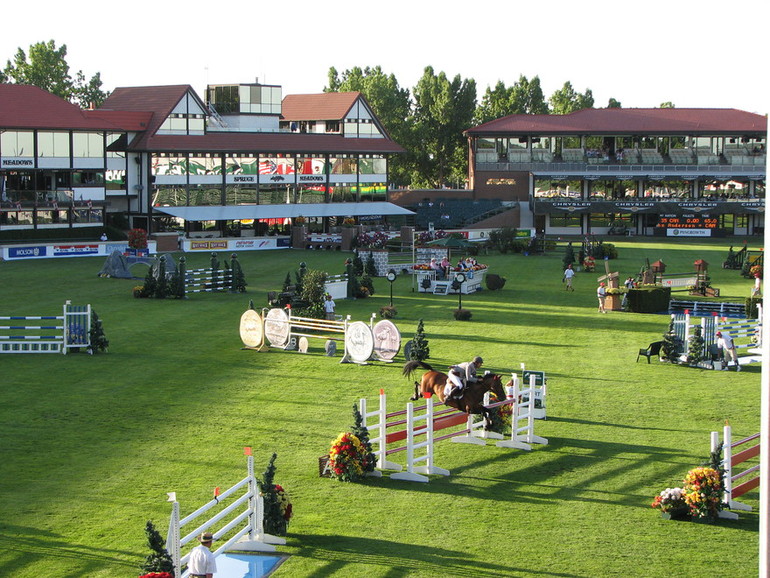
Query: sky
pixel 696 54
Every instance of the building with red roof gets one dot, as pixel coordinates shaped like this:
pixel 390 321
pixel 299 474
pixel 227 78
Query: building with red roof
pixel 157 153
pixel 661 171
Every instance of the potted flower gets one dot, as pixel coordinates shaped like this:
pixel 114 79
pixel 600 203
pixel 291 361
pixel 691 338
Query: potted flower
pixel 703 492
pixel 347 458
pixel 589 264
pixel 672 505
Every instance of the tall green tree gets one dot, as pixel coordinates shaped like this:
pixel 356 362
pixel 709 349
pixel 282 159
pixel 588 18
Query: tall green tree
pixel 45 66
pixel 390 103
pixel 614 103
pixel 524 97
pixel 566 99
pixel 443 110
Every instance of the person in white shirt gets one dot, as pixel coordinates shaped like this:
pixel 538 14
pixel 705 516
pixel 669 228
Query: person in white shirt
pixel 202 562
pixel 601 295
pixel 329 306
pixel 569 273
pixel 727 345
pixel 461 375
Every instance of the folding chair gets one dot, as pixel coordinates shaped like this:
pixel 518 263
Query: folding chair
pixel 652 349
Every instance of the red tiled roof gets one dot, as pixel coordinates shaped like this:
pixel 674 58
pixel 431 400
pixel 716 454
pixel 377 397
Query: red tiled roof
pixel 324 106
pixel 128 121
pixel 158 100
pixel 267 142
pixel 653 121
pixel 30 107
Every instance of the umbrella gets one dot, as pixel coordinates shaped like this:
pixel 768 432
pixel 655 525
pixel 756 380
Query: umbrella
pixel 452 242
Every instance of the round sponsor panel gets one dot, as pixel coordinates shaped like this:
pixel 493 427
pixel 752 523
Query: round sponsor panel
pixel 387 339
pixel 359 341
pixel 277 327
pixel 251 328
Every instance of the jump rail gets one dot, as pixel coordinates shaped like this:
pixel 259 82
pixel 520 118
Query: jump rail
pixel 71 329
pixel 419 451
pixel 729 461
pixel 247 523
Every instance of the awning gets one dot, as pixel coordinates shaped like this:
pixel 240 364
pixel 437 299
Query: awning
pixel 291 211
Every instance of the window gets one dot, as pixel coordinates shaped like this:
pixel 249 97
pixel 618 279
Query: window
pixel 565 220
pixel 17 143
pixel 53 144
pixel 87 145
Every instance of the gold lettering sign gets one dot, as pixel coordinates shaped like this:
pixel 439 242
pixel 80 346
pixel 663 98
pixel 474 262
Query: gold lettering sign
pixel 496 182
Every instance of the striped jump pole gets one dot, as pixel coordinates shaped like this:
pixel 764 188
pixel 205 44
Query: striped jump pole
pixel 734 486
pixel 523 418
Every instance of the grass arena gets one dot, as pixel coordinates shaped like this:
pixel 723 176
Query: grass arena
pixel 91 444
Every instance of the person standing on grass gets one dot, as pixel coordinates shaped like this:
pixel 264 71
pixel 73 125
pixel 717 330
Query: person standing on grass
pixel 601 295
pixel 569 273
pixel 727 345
pixel 202 562
pixel 329 306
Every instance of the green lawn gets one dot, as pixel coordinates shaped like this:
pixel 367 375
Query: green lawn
pixel 89 445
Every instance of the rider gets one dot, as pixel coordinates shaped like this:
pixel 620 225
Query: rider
pixel 460 375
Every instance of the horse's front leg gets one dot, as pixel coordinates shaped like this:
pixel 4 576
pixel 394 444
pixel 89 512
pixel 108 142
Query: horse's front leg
pixel 417 393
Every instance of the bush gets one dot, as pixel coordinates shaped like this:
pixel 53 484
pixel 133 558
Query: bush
pixel 462 314
pixel 751 307
pixel 649 299
pixel 388 312
pixel 495 282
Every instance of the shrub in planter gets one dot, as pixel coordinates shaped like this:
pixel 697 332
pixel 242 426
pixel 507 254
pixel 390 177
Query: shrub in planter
pixel 388 312
pixel 462 314
pixel 649 299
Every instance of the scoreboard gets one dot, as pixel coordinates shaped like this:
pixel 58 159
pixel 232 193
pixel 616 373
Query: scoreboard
pixel 687 222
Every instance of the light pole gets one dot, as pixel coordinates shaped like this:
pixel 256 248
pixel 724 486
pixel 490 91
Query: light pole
pixel 460 278
pixel 391 276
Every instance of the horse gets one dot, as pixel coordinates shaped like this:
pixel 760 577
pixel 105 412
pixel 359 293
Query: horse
pixel 472 400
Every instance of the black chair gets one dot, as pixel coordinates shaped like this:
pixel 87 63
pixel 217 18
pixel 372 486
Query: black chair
pixel 652 349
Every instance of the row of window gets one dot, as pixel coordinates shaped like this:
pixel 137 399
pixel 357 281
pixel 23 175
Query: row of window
pixel 649 189
pixel 180 196
pixel 268 165
pixel 598 220
pixel 59 144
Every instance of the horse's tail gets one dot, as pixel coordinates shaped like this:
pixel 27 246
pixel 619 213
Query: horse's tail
pixel 410 366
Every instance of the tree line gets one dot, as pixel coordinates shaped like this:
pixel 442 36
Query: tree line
pixel 428 120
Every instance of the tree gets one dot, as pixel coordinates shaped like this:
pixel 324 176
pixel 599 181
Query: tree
pixel 362 433
pixel 273 522
pixel 159 560
pixel 419 350
pixel 443 110
pixel 566 100
pixel 667 104
pixel 524 97
pixel 614 103
pixel 46 67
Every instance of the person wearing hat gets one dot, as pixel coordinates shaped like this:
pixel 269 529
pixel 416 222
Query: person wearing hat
pixel 202 562
pixel 459 376
pixel 329 306
pixel 727 345
pixel 601 294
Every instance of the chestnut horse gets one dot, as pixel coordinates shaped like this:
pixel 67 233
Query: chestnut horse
pixel 472 400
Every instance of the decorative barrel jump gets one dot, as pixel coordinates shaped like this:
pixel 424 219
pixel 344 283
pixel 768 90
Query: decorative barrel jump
pixel 244 516
pixel 421 424
pixel 280 328
pixel 47 333
pixel 737 483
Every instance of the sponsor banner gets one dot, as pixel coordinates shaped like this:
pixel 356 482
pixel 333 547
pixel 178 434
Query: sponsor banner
pixel 75 250
pixel 27 252
pixel 208 245
pixel 688 232
pixel 245 244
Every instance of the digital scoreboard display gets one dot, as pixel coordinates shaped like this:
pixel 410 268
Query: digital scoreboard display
pixel 687 222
